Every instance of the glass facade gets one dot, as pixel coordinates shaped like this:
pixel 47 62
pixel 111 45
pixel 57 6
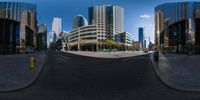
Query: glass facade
pixel 177 27
pixel 41 37
pixel 79 21
pixel 17 27
pixel 141 36
pixel 9 36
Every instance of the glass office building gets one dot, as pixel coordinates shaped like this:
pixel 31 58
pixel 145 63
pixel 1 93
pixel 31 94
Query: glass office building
pixel 79 21
pixel 41 37
pixel 177 27
pixel 17 27
pixel 141 36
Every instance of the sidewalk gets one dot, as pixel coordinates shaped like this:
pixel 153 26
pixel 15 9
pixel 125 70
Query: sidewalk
pixel 120 54
pixel 15 72
pixel 179 71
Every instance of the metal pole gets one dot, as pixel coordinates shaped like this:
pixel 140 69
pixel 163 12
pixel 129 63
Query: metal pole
pixel 92 47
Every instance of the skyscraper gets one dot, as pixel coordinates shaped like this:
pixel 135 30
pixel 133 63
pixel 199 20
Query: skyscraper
pixel 141 33
pixel 79 21
pixel 144 44
pixel 17 27
pixel 110 17
pixel 141 36
pixel 57 25
pixel 42 37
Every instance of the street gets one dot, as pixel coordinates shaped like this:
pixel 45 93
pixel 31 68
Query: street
pixel 67 76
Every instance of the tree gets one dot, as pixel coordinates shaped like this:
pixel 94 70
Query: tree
pixel 110 43
pixel 118 45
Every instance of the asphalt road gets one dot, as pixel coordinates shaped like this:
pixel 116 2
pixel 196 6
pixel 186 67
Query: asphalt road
pixel 71 77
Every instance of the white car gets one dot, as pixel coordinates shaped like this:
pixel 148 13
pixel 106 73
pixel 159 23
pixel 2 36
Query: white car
pixel 29 50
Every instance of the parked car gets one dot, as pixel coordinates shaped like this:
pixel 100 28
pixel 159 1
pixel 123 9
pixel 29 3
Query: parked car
pixel 145 51
pixel 29 50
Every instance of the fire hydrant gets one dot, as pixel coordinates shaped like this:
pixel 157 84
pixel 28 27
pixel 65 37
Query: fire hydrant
pixel 32 62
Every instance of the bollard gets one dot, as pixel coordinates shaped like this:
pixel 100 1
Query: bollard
pixel 32 63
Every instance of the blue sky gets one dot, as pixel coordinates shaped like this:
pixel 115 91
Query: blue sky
pixel 138 13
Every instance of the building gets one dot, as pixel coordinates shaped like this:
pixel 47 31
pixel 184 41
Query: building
pixel 52 40
pixel 57 25
pixel 145 44
pixel 42 37
pixel 64 40
pixel 91 37
pixel 109 17
pixel 79 21
pixel 53 37
pixel 49 38
pixel 177 27
pixel 105 23
pixel 141 36
pixel 126 38
pixel 137 45
pixel 18 26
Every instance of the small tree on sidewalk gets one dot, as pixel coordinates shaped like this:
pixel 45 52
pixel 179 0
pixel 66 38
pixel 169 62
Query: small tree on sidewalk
pixel 109 43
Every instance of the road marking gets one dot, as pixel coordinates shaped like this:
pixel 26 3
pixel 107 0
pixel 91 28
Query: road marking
pixel 64 56
pixel 125 59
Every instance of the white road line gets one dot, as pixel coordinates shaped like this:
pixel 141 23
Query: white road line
pixel 126 59
pixel 64 56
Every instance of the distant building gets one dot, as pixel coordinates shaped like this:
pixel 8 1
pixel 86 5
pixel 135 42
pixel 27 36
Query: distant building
pixel 48 38
pixel 52 40
pixel 126 38
pixel 137 45
pixel 54 37
pixel 57 25
pixel 18 23
pixel 109 17
pixel 144 44
pixel 64 40
pixel 141 36
pixel 65 34
pixel 42 37
pixel 79 21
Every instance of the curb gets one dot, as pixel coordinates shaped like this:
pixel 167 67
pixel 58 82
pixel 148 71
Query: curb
pixel 114 56
pixel 111 61
pixel 169 83
pixel 31 82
